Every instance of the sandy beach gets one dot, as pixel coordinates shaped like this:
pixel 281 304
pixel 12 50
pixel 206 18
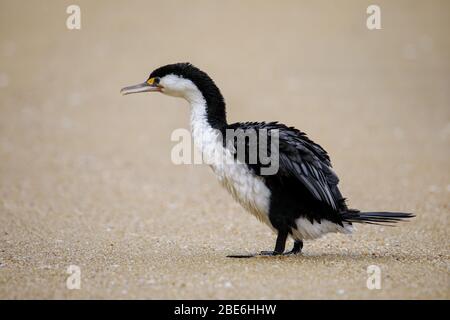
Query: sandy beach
pixel 86 177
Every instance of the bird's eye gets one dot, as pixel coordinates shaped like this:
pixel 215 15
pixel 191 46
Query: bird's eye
pixel 154 81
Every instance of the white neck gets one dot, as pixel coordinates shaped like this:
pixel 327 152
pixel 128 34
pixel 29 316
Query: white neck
pixel 206 139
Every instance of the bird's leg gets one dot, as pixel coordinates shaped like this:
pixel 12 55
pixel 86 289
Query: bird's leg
pixel 279 245
pixel 279 248
pixel 298 246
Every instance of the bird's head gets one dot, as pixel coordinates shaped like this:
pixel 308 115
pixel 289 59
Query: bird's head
pixel 178 80
pixel 186 81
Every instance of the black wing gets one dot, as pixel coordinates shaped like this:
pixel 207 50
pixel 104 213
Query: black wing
pixel 299 158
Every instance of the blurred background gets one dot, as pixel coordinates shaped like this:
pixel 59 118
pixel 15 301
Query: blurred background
pixel 86 177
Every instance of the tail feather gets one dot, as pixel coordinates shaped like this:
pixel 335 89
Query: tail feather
pixel 378 218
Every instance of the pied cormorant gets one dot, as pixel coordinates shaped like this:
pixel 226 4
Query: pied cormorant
pixel 301 199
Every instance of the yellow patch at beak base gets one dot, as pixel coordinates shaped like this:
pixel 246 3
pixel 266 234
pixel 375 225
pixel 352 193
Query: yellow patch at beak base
pixel 151 81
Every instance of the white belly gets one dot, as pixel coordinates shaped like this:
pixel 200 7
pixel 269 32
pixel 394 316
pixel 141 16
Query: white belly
pixel 246 188
pixel 306 230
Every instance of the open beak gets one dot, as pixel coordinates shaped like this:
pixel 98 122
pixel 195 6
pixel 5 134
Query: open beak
pixel 142 87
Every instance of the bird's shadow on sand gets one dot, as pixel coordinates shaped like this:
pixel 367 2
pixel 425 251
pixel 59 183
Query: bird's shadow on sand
pixel 323 257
